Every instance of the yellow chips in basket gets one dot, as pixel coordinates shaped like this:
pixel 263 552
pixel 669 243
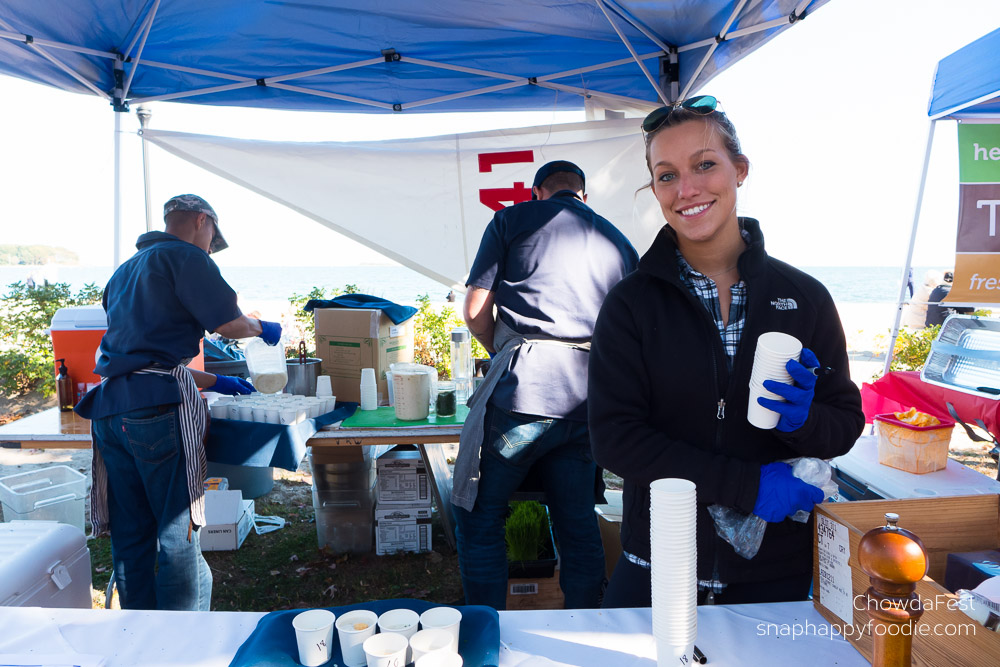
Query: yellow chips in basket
pixel 914 417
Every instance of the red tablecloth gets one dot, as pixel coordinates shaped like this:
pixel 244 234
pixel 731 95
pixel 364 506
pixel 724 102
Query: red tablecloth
pixel 902 390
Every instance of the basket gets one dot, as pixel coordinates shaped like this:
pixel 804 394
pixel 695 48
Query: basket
pixel 916 449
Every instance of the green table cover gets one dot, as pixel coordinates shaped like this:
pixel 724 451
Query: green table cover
pixel 386 418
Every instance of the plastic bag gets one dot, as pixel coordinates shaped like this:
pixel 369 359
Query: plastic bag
pixel 745 532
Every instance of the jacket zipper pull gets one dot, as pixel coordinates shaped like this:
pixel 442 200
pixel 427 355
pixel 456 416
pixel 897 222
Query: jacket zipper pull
pixel 721 413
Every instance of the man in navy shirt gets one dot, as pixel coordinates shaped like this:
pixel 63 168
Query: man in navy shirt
pixel 546 265
pixel 148 418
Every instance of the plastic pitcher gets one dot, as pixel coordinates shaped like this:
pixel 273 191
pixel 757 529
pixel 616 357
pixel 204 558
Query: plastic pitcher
pixel 267 367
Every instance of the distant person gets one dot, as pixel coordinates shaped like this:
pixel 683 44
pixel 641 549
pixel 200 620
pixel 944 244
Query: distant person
pixel 546 265
pixel 147 417
pixel 936 312
pixel 909 281
pixel 451 296
pixel 915 312
pixel 670 369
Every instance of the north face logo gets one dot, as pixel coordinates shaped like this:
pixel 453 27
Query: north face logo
pixel 784 304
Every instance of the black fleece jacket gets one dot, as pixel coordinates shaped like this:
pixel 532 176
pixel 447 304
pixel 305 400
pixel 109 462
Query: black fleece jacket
pixel 662 402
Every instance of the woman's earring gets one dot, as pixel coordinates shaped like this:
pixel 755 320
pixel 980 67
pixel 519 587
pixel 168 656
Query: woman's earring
pixel 739 183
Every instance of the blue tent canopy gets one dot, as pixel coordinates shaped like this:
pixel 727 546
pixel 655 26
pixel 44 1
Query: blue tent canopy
pixel 386 55
pixel 967 83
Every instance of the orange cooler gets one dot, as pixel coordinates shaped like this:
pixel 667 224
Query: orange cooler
pixel 76 334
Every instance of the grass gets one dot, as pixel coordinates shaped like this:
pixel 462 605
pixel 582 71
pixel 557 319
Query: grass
pixel 286 569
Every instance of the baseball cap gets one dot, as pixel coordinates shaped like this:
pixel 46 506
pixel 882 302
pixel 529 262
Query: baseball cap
pixel 555 167
pixel 198 205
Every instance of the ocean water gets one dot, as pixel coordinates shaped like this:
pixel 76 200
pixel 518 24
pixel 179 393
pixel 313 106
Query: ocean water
pixel 853 284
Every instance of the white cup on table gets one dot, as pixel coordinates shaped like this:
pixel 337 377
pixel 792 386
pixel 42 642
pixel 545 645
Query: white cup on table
pixel 431 640
pixel 353 628
pixel 443 618
pixel 386 649
pixel 314 636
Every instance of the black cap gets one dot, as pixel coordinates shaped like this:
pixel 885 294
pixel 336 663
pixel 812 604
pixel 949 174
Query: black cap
pixel 556 167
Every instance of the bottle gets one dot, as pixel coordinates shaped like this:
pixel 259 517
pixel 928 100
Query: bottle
pixel 461 363
pixel 64 387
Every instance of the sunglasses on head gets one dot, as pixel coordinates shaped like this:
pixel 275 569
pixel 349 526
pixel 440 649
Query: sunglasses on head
pixel 700 104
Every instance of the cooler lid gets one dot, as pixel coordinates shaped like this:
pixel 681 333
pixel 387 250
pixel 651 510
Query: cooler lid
pixel 29 549
pixel 80 317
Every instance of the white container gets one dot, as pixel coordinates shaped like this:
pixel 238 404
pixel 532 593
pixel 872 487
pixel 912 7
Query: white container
pixel 402 528
pixel 44 564
pixel 267 366
pixel 411 394
pixel 56 493
pixel 402 479
pixel 314 636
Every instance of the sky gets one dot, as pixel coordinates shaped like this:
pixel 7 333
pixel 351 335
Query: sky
pixel 831 113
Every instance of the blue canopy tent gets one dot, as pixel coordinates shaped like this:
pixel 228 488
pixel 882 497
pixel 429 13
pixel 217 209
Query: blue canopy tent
pixel 966 87
pixel 392 56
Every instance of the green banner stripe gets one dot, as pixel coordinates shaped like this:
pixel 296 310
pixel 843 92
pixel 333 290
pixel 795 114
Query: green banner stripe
pixel 978 153
pixel 395 349
pixel 343 343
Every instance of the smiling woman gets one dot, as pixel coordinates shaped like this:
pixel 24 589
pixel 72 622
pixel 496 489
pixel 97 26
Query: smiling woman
pixel 704 293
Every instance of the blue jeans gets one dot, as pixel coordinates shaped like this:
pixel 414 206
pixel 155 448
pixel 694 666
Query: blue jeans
pixel 149 504
pixel 559 450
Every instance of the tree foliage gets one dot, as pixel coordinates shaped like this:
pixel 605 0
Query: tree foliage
pixel 26 359
pixel 432 336
pixel 305 324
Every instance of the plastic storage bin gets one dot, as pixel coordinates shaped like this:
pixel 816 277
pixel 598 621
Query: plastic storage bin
pixel 345 520
pixel 43 564
pixel 252 481
pixel 916 449
pixel 49 494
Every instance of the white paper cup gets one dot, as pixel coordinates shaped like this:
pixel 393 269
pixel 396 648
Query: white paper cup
pixel 287 416
pixel 430 641
pixel 272 414
pixel 386 649
pixel 260 414
pixel 324 386
pixel 439 659
pixel 245 412
pixel 401 621
pixel 760 416
pixel 220 411
pixel 443 618
pixel 329 404
pixel 223 400
pixel 779 344
pixel 352 638
pixel 669 655
pixel 314 636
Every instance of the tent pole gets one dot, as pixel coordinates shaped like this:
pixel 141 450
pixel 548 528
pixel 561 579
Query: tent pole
pixel 144 114
pixel 909 250
pixel 118 189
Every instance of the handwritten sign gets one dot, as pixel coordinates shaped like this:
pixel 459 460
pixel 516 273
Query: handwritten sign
pixel 836 593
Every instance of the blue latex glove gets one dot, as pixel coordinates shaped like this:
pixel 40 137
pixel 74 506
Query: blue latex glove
pixel 230 384
pixel 781 493
pixel 270 332
pixel 794 410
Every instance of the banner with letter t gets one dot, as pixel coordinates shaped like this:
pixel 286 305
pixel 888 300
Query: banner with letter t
pixel 977 251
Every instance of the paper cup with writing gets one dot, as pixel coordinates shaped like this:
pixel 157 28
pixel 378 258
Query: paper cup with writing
pixel 314 636
pixel 386 649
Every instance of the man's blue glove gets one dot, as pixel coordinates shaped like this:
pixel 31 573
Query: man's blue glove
pixel 781 493
pixel 230 384
pixel 799 396
pixel 270 332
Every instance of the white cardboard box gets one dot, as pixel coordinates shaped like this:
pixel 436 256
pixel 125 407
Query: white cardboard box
pixel 44 564
pixel 401 479
pixel 229 519
pixel 402 528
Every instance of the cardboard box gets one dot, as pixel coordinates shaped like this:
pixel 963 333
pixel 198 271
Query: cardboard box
pixel 229 519
pixel 349 339
pixel 402 528
pixel 609 520
pixel 542 593
pixel 401 479
pixel 944 635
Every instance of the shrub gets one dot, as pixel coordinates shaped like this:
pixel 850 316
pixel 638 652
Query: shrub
pixel 912 347
pixel 432 336
pixel 304 321
pixel 26 359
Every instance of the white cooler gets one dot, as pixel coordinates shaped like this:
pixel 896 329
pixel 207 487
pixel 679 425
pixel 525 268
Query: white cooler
pixel 44 564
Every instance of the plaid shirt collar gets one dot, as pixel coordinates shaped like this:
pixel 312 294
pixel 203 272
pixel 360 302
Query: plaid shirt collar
pixel 707 292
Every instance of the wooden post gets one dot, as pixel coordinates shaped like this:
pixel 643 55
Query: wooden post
pixel 894 560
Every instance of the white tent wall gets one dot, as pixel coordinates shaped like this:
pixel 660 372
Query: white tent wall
pixel 418 201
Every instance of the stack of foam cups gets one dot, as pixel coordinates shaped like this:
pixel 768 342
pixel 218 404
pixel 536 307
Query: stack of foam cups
pixel 674 559
pixel 774 350
pixel 369 395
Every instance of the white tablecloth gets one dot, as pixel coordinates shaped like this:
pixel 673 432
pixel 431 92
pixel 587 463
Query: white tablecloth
pixel 786 633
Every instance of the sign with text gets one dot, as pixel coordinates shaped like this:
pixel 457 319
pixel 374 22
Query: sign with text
pixel 977 250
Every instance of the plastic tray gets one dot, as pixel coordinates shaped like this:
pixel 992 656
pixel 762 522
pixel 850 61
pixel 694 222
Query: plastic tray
pixel 966 356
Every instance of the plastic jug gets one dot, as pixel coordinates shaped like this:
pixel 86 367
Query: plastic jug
pixel 432 380
pixel 266 363
pixel 462 368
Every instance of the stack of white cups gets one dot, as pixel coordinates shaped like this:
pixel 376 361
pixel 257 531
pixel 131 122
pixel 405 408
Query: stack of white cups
pixel 774 349
pixel 674 560
pixel 369 394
